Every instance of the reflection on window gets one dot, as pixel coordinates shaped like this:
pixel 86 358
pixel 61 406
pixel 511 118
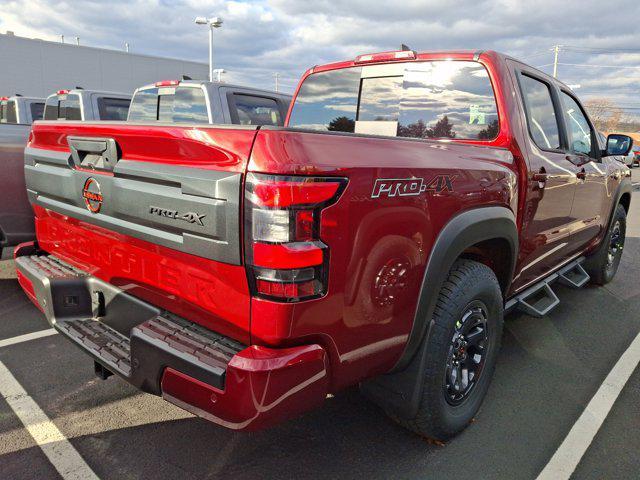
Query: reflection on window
pixel 177 105
pixel 541 115
pixel 579 129
pixel 144 106
pixel 189 106
pixel 448 99
pixel 328 101
pixel 440 99
pixel 380 99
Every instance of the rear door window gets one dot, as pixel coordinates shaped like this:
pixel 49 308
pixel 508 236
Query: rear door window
pixel 440 99
pixel 170 104
pixel 37 110
pixel 113 108
pixel 541 115
pixel 256 110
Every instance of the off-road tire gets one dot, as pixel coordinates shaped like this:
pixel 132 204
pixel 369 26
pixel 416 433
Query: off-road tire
pixel 468 282
pixel 599 266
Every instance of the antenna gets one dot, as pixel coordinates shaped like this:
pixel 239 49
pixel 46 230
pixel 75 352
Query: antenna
pixel 404 47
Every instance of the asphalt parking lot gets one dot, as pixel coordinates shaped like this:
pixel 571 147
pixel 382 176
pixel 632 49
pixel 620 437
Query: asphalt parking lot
pixel 549 370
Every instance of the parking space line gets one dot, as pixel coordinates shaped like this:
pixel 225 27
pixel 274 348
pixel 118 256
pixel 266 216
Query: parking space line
pixel 66 459
pixel 566 459
pixel 28 336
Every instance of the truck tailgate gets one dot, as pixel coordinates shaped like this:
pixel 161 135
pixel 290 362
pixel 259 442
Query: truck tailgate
pixel 154 210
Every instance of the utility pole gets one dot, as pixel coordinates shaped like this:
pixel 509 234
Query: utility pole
pixel 277 77
pixel 556 49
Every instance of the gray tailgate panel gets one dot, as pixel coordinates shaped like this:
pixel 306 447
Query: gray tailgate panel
pixel 209 199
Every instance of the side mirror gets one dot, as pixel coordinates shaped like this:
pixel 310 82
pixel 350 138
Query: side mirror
pixel 618 145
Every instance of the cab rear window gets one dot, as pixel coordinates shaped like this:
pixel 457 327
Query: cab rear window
pixel 63 107
pixel 439 99
pixel 8 112
pixel 169 104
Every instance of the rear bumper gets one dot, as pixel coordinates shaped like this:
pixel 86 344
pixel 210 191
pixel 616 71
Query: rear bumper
pixel 236 386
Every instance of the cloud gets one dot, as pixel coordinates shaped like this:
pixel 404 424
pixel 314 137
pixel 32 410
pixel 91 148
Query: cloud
pixel 259 38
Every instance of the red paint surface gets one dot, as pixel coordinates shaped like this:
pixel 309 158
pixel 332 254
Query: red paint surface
pixel 263 387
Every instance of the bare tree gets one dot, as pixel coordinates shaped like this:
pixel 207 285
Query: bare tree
pixel 600 110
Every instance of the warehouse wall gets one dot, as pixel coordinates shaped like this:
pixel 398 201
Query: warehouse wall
pixel 39 68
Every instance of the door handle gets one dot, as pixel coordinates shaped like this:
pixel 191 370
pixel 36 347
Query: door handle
pixel 540 177
pixel 582 174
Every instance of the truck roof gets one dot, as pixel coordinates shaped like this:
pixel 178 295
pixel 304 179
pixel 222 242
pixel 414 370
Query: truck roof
pixel 82 91
pixel 208 84
pixel 20 97
pixel 411 55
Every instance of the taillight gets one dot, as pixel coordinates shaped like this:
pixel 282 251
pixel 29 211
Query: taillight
pixel 285 256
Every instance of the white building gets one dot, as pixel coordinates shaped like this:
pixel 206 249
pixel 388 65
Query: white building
pixel 33 67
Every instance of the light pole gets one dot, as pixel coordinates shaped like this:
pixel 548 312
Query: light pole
pixel 219 72
pixel 213 22
pixel 556 50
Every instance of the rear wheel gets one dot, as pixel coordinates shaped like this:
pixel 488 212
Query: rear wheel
pixel 462 348
pixel 603 265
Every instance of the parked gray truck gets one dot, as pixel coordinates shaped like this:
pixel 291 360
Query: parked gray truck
pixel 169 101
pixel 87 105
pixel 194 101
pixel 17 113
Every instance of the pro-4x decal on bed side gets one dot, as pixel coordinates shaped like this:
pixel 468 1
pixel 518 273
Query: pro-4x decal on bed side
pixel 404 187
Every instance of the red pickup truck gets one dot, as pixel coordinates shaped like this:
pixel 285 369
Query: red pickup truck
pixel 246 272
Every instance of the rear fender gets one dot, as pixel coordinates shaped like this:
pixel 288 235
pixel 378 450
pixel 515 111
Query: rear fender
pixel 399 391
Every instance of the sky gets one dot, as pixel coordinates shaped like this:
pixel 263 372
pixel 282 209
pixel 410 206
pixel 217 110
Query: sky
pixel 599 47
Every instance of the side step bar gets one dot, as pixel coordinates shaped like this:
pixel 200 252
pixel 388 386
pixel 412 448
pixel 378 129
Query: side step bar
pixel 540 299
